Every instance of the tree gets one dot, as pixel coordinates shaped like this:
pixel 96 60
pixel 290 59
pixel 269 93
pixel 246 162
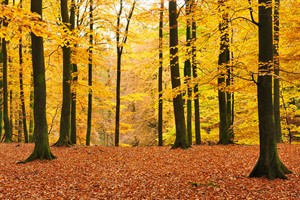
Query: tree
pixel 65 119
pixel 74 80
pixel 194 70
pixel 120 46
pixel 7 127
pixel 224 97
pixel 268 164
pixel 160 75
pixel 276 72
pixel 181 140
pixel 41 149
pixel 187 72
pixel 22 97
pixel 90 77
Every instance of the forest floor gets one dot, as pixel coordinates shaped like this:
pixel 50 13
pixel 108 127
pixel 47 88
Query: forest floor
pixel 201 172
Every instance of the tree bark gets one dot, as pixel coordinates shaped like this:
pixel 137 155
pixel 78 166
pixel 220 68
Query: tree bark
pixel 268 164
pixel 74 80
pixel 90 77
pixel 224 98
pixel 119 48
pixel 65 120
pixel 41 148
pixel 160 76
pixel 181 138
pixel 187 73
pixel 22 97
pixel 194 70
pixel 276 71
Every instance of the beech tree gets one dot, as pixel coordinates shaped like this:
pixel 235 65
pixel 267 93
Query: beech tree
pixel 90 77
pixel 268 164
pixel 181 138
pixel 7 128
pixel 41 149
pixel 74 79
pixel 188 71
pixel 224 97
pixel 195 75
pixel 160 75
pixel 65 119
pixel 276 72
pixel 120 45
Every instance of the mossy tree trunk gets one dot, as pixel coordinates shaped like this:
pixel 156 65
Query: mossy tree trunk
pixel 181 138
pixel 41 148
pixel 268 164
pixel 65 119
pixel 160 75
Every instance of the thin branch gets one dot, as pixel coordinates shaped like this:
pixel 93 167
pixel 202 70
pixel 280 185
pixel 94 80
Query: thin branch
pixel 251 13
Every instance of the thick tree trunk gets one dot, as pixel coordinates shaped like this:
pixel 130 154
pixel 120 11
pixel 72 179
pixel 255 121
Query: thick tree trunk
pixel 268 164
pixel 65 120
pixel 181 140
pixel 41 148
pixel 160 76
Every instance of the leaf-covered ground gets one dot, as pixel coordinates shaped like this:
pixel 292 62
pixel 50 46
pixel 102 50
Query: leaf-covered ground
pixel 202 172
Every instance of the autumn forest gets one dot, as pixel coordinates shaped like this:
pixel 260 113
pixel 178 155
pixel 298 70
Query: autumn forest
pixel 136 73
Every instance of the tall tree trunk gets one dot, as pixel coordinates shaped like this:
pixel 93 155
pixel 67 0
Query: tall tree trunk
pixel 1 90
pixel 5 85
pixel 194 69
pixel 225 131
pixel 119 45
pixel 276 71
pixel 74 80
pixel 90 77
pixel 65 120
pixel 41 149
pixel 187 72
pixel 160 75
pixel 22 97
pixel 268 164
pixel 181 138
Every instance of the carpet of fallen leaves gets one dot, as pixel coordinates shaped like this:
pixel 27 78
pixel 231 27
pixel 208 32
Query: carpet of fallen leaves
pixel 201 172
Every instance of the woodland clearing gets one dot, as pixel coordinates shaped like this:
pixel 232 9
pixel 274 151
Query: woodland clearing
pixel 97 172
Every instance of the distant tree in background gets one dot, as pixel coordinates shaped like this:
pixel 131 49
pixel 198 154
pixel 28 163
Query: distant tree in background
pixel 120 45
pixel 90 77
